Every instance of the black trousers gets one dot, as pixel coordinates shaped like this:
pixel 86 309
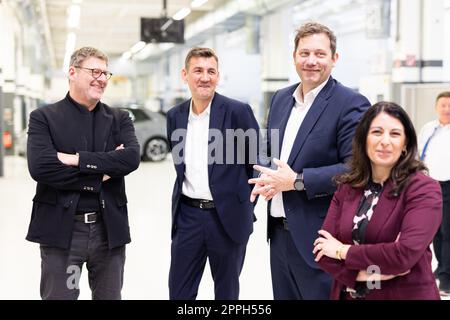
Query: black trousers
pixel 441 242
pixel 61 269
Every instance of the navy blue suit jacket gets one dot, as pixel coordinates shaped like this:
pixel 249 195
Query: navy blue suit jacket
pixel 228 182
pixel 322 145
pixel 60 127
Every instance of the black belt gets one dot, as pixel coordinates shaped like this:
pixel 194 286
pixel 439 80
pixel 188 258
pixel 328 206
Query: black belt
pixel 88 217
pixel 280 221
pixel 198 203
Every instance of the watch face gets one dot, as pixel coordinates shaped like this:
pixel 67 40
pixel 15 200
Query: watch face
pixel 299 185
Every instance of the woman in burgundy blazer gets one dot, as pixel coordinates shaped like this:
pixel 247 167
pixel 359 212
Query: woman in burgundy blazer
pixel 376 236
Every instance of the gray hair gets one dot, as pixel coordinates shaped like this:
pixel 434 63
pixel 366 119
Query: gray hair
pixel 82 54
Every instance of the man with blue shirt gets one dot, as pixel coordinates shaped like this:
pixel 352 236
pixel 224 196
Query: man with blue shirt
pixel 434 150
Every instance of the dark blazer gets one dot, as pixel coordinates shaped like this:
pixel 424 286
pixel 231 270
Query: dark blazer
pixel 321 146
pixel 59 127
pixel 415 214
pixel 228 182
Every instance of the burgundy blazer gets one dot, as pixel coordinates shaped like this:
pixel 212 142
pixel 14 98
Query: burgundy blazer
pixel 416 214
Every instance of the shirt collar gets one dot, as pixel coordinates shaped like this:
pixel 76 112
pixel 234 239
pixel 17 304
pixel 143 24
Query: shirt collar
pixel 79 106
pixel 439 124
pixel 311 95
pixel 204 114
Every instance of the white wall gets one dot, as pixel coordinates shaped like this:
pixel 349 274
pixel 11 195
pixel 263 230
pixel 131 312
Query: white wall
pixel 446 49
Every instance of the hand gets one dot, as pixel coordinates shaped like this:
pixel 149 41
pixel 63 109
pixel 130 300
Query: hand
pixel 121 147
pixel 260 189
pixel 274 181
pixel 329 246
pixel 69 159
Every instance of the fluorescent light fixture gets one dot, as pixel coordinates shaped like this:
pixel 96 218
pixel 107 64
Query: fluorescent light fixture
pixel 166 24
pixel 73 19
pixel 149 49
pixel 70 47
pixel 181 14
pixel 126 55
pixel 198 3
pixel 166 46
pixel 77 1
pixel 138 46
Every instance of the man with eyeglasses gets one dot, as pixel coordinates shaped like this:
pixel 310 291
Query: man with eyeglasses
pixel 79 150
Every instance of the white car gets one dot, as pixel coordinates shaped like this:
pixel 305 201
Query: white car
pixel 150 128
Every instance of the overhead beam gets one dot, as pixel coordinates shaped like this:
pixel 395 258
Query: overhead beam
pixel 47 33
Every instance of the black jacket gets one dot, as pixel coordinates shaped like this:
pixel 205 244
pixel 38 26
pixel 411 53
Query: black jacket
pixel 59 128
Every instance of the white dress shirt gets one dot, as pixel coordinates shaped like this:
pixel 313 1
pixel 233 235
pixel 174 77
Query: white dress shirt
pixel 298 113
pixel 196 180
pixel 437 155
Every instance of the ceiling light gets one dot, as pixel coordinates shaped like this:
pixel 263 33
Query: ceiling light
pixel 138 46
pixel 126 55
pixel 181 14
pixel 198 3
pixel 166 46
pixel 70 47
pixel 149 49
pixel 73 19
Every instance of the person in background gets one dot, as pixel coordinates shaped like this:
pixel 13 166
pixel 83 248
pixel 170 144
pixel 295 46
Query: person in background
pixel 375 240
pixel 434 147
pixel 79 151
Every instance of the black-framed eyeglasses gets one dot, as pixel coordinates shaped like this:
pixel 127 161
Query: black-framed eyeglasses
pixel 96 73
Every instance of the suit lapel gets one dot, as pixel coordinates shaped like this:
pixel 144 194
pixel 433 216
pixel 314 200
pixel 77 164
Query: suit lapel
pixel 285 107
pixel 349 207
pixel 181 122
pixel 216 119
pixel 383 210
pixel 103 123
pixel 320 104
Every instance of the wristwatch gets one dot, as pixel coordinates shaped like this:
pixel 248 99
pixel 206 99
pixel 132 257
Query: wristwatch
pixel 299 184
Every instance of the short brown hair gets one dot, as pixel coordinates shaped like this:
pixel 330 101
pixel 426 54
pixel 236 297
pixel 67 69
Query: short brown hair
pixel 199 52
pixel 445 94
pixel 82 54
pixel 311 28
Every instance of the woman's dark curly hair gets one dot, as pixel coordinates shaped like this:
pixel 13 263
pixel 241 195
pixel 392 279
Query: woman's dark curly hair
pixel 360 172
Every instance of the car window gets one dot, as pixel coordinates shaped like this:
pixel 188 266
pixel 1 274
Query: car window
pixel 139 115
pixel 129 113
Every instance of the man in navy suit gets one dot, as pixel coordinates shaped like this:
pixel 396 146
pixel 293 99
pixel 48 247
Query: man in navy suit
pixel 316 119
pixel 212 138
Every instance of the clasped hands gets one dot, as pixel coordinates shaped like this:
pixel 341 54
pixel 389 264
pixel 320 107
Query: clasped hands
pixel 327 245
pixel 270 182
pixel 73 160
